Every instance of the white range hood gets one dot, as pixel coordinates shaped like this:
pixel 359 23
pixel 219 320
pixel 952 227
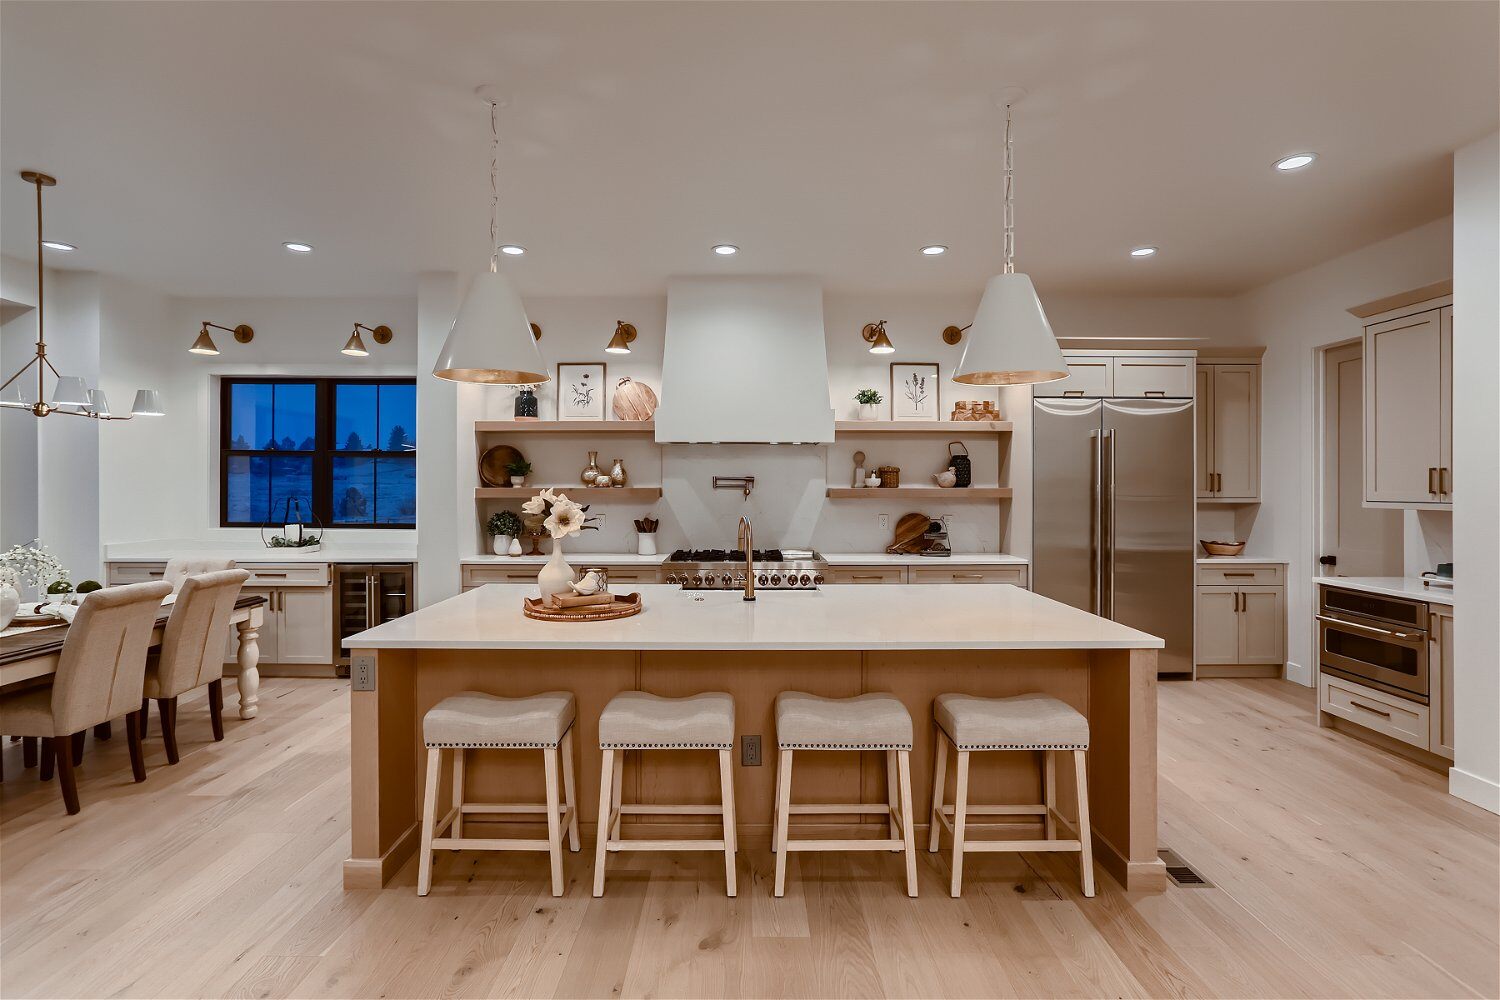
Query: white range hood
pixel 745 361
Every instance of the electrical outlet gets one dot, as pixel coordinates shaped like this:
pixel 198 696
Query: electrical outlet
pixel 885 522
pixel 749 751
pixel 362 671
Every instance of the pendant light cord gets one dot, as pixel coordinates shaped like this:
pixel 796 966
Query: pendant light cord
pixel 494 191
pixel 1010 198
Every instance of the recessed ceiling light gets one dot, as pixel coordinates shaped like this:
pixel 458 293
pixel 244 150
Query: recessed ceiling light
pixel 1143 251
pixel 61 247
pixel 726 250
pixel 295 247
pixel 1295 162
pixel 513 250
pixel 935 250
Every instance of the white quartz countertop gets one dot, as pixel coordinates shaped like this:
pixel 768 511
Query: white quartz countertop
pixel 1238 561
pixel 341 551
pixel 897 616
pixel 1409 587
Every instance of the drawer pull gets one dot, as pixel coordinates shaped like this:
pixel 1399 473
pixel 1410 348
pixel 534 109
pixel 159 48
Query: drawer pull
pixel 1073 392
pixel 155 572
pixel 1367 708
pixel 1248 576
pixel 968 576
pixel 868 576
pixel 268 576
pixel 1155 392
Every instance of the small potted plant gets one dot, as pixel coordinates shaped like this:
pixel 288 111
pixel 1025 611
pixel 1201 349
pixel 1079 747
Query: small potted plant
pixel 518 472
pixel 86 588
pixel 504 526
pixel 868 400
pixel 59 592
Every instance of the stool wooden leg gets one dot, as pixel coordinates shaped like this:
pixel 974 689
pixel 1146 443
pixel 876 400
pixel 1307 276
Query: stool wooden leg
pixel 783 809
pixel 617 794
pixel 1085 838
pixel 775 804
pixel 960 810
pixel 726 800
pixel 460 756
pixel 892 793
pixel 1049 792
pixel 939 776
pixel 429 819
pixel 908 836
pixel 606 799
pixel 554 818
pixel 570 793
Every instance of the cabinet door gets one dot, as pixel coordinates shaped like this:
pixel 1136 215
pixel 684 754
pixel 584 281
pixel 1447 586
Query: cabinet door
pixel 1445 404
pixel 305 625
pixel 1441 666
pixel 1205 452
pixel 1262 625
pixel 1218 625
pixel 269 630
pixel 1167 377
pixel 1236 431
pixel 1403 397
pixel 1087 376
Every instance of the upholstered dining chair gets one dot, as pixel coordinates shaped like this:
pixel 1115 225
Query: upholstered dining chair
pixel 180 569
pixel 192 652
pixel 100 675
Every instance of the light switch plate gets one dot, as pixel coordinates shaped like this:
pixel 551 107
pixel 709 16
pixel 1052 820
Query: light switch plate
pixel 749 751
pixel 362 671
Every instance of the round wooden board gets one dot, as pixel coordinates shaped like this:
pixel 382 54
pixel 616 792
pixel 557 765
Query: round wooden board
pixel 633 400
pixel 625 605
pixel 493 462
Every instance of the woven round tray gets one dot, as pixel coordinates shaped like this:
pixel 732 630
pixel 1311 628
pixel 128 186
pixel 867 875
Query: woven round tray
pixel 625 605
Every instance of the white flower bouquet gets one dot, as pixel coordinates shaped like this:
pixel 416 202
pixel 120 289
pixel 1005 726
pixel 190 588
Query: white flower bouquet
pixel 32 565
pixel 560 516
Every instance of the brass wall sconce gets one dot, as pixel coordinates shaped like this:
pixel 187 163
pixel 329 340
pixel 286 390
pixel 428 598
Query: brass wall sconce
pixel 874 335
pixel 953 334
pixel 355 345
pixel 536 331
pixel 623 338
pixel 205 344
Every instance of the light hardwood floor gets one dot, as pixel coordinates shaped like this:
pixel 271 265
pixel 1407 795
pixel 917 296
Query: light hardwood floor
pixel 1338 871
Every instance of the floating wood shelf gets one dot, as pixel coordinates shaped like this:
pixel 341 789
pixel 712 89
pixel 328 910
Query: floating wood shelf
pixel 922 427
pixel 565 427
pixel 578 492
pixel 874 492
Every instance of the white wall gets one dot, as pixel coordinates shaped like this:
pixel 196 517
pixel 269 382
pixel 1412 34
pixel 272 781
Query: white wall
pixel 18 434
pixel 444 512
pixel 1292 318
pixel 1475 775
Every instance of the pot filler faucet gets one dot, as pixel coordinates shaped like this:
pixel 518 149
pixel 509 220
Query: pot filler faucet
pixel 747 542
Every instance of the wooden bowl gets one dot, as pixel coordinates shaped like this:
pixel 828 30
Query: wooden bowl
pixel 1222 548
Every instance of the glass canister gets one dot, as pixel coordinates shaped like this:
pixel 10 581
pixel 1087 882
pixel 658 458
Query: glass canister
pixel 617 473
pixel 591 472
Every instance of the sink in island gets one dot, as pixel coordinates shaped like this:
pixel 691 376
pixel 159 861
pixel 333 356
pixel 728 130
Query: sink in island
pixel 915 641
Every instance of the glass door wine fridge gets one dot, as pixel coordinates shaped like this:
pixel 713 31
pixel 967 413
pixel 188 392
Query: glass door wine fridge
pixel 368 594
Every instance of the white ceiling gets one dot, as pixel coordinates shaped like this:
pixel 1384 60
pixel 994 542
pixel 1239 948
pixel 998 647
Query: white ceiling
pixel 831 139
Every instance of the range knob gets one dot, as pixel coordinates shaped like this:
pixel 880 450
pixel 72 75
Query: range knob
pixel 805 579
pixel 672 578
pixel 697 579
pixel 726 580
pixel 775 579
pixel 817 578
pixel 761 580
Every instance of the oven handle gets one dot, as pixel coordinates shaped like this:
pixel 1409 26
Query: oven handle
pixel 1367 628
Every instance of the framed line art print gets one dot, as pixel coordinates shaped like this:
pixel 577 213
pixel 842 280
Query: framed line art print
pixel 914 391
pixel 580 390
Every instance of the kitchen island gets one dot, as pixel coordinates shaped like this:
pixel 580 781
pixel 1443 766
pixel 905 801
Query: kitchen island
pixel 916 641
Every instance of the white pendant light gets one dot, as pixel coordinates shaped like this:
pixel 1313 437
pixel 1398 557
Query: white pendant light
pixel 491 339
pixel 1010 342
pixel 147 404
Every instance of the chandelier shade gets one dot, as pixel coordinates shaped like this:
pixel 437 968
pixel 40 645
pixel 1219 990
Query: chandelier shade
pixel 1011 342
pixel 491 340
pixel 147 404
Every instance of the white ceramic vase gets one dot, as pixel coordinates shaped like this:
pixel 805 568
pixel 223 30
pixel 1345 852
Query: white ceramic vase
pixel 645 543
pixel 867 411
pixel 556 575
pixel 515 547
pixel 500 544
pixel 10 603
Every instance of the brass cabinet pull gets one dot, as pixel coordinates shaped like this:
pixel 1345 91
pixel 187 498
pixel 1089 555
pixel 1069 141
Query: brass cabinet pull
pixel 1367 708
pixel 1432 479
pixel 1443 480
pixel 1073 392
pixel 867 577
pixel 1155 392
pixel 968 576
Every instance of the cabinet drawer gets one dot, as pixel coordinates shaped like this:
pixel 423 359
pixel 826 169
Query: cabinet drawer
pixel 478 576
pixel 1155 377
pixel 286 574
pixel 968 574
pixel 868 574
pixel 1263 575
pixel 123 573
pixel 1397 718
pixel 1087 376
pixel 623 574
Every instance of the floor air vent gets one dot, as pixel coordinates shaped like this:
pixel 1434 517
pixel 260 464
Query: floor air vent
pixel 1181 873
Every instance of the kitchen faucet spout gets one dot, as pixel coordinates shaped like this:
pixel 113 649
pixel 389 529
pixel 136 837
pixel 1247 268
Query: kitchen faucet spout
pixel 747 542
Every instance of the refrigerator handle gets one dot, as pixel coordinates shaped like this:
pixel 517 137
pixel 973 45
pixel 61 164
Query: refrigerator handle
pixel 369 603
pixel 1096 539
pixel 1109 524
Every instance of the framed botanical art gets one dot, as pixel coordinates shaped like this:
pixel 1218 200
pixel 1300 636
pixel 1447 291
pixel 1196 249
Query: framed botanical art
pixel 914 391
pixel 580 390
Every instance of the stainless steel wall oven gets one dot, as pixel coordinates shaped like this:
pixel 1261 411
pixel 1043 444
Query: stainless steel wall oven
pixel 1375 640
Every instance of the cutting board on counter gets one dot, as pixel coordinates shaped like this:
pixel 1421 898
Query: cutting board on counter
pixel 908 536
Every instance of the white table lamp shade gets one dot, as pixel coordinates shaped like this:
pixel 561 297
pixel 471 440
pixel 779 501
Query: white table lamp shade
pixel 491 340
pixel 1011 342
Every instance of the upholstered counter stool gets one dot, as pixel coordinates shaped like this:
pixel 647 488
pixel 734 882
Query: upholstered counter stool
pixel 635 720
pixel 1026 722
pixel 470 720
pixel 866 722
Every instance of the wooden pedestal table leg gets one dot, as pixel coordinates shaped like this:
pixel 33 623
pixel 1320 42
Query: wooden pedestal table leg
pixel 249 661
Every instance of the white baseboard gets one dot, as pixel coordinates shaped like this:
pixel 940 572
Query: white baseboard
pixel 1483 792
pixel 1299 674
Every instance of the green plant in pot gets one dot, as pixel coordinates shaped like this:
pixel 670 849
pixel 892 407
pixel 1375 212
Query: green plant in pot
pixel 518 472
pixel 868 400
pixel 59 591
pixel 504 527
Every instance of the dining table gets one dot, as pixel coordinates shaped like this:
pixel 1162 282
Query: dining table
pixel 28 652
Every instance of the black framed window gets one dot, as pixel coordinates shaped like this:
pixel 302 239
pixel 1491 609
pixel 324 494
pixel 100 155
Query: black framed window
pixel 346 449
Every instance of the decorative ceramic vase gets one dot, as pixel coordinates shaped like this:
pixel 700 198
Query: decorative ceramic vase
pixel 515 547
pixel 518 481
pixel 617 473
pixel 556 576
pixel 590 473
pixel 645 543
pixel 526 407
pixel 10 603
pixel 500 544
pixel 867 411
pixel 602 479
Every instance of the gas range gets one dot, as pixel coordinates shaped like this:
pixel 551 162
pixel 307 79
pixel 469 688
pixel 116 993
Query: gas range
pixel 724 569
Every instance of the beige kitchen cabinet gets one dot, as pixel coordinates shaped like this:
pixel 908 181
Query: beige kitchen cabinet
pixel 1241 626
pixel 1228 432
pixel 1014 575
pixel 476 575
pixel 1218 640
pixel 1153 376
pixel 1263 625
pixel 304 624
pixel 1440 671
pixel 1409 409
pixel 1088 375
pixel 867 574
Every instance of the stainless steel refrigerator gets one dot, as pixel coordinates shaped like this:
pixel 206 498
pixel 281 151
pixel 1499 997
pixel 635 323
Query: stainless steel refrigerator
pixel 1113 509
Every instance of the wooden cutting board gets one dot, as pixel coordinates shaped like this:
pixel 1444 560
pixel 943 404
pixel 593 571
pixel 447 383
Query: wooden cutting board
pixel 909 532
pixel 492 463
pixel 633 400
